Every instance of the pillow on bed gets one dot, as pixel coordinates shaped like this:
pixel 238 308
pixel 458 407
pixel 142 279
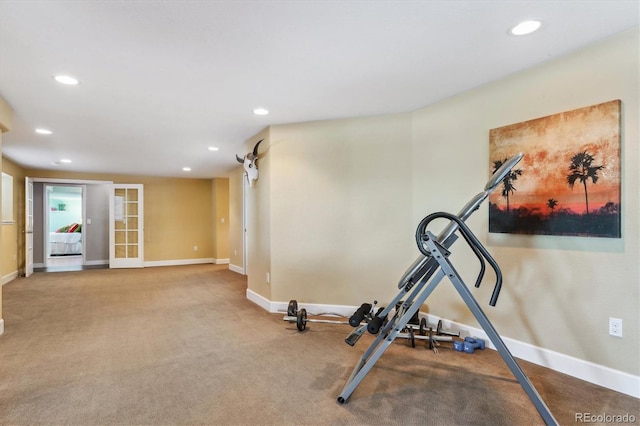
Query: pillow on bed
pixel 63 229
pixel 73 227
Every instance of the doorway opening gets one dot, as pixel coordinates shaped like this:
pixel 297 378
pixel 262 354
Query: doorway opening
pixel 64 219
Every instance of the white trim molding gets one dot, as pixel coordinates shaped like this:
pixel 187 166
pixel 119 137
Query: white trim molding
pixel 597 374
pixel 261 301
pixel 312 308
pixel 221 261
pixel 236 268
pixel 317 309
pixel 9 277
pixel 78 181
pixel 96 262
pixel 153 263
pixel 584 370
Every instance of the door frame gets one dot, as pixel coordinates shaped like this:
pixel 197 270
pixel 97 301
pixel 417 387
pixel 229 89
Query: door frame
pixel 45 180
pixel 45 240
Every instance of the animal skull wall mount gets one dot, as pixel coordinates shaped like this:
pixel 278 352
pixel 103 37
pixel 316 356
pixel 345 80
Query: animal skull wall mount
pixel 250 163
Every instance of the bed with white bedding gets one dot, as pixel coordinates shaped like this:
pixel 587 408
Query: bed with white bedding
pixel 65 243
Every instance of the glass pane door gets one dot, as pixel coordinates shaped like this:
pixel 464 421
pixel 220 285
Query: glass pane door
pixel 126 218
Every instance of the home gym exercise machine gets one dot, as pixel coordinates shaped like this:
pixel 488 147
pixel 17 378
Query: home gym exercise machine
pixel 423 276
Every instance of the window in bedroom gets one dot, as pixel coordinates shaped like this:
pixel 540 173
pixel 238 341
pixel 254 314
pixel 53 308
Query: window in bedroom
pixel 7 198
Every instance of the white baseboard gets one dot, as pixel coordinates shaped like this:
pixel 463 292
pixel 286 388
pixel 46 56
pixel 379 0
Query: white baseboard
pixel 221 261
pixel 597 374
pixel 236 268
pixel 9 277
pixel 1 326
pixel 317 309
pixel 259 300
pixel 584 370
pixel 96 262
pixel 153 263
pixel 86 262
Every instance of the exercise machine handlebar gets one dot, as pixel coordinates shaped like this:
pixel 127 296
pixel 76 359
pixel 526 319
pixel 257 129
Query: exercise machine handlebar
pixel 422 265
pixel 480 251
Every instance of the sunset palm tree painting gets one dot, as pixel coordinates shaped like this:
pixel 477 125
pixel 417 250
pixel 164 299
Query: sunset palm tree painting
pixel 568 182
pixel 507 182
pixel 581 169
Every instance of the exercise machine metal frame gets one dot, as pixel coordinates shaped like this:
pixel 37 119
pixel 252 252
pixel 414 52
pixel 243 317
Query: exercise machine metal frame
pixel 424 275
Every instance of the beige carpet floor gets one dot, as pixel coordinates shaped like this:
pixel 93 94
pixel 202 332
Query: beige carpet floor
pixel 182 345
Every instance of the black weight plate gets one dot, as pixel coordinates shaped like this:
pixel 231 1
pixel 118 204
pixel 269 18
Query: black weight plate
pixel 439 328
pixel 412 337
pixel 423 327
pixel 301 321
pixel 292 309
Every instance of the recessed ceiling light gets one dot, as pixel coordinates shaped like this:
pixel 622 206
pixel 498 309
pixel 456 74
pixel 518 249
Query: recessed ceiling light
pixel 214 148
pixel 65 79
pixel 65 160
pixel 42 131
pixel 261 111
pixel 526 27
pixel 186 169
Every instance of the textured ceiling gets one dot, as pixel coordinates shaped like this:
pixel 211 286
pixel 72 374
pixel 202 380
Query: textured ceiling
pixel 160 81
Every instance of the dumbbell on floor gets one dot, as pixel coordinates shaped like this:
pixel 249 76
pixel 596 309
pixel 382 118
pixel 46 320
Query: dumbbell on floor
pixel 468 345
pixel 471 344
pixel 423 327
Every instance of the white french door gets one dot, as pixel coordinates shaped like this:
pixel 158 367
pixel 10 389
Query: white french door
pixel 28 226
pixel 126 226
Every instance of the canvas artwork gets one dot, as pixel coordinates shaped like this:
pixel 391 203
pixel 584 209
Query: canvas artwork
pixel 568 182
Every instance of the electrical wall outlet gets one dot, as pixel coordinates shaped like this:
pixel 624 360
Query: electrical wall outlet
pixel 195 248
pixel 615 327
pixel 268 278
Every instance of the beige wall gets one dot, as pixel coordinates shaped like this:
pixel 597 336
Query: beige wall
pixel 220 199
pixel 12 255
pixel 178 216
pixel 236 246
pixel 258 198
pixel 341 209
pixel 1 246
pixel 558 292
pixel 6 117
pixel 342 198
